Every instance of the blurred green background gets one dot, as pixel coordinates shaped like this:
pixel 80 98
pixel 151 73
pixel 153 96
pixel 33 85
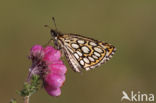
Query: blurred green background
pixel 130 25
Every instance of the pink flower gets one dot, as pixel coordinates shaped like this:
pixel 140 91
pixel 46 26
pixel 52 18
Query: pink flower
pixel 46 63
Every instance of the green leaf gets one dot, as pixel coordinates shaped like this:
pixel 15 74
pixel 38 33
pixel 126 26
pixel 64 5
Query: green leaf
pixel 30 88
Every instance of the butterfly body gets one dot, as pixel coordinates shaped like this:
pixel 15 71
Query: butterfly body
pixel 82 52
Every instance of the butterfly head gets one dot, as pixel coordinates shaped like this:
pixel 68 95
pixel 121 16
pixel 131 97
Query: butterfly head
pixel 54 33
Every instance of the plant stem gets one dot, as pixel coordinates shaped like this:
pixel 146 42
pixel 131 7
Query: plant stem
pixel 26 99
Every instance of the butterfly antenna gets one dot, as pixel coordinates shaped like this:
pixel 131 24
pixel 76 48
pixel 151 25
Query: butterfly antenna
pixel 47 26
pixel 54 22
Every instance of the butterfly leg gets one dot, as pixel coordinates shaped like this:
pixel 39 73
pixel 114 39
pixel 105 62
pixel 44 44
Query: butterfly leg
pixel 62 53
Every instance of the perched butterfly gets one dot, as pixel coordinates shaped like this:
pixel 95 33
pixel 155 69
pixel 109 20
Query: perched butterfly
pixel 82 52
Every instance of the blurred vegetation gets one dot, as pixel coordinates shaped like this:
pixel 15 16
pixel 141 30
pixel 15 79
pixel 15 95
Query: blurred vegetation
pixel 130 25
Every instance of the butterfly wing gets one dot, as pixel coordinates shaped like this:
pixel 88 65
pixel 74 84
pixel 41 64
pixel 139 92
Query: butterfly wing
pixel 84 52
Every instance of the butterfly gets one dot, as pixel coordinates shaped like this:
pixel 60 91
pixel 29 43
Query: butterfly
pixel 82 52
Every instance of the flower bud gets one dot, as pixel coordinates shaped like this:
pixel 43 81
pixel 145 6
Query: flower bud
pixel 36 50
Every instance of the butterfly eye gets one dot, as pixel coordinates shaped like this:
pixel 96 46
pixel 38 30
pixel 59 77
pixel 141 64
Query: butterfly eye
pixel 53 33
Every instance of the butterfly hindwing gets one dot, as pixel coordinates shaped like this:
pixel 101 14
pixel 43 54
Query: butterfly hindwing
pixel 84 52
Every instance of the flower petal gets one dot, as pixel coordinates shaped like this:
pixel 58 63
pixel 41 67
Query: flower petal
pixel 54 92
pixel 58 68
pixel 54 80
pixel 36 50
pixel 51 54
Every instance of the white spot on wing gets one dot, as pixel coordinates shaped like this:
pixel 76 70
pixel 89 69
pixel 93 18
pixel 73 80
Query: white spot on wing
pixel 98 49
pixel 112 52
pixel 107 53
pixel 76 55
pixel 93 44
pixel 67 40
pixel 75 46
pixel 94 56
pixel 91 59
pixel 97 54
pixel 79 53
pixel 80 41
pixel 110 56
pixel 87 68
pixel 81 62
pixel 85 49
pixel 86 60
pixel 107 59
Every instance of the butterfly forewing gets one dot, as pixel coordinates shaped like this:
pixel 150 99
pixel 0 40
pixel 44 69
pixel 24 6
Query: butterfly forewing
pixel 84 52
